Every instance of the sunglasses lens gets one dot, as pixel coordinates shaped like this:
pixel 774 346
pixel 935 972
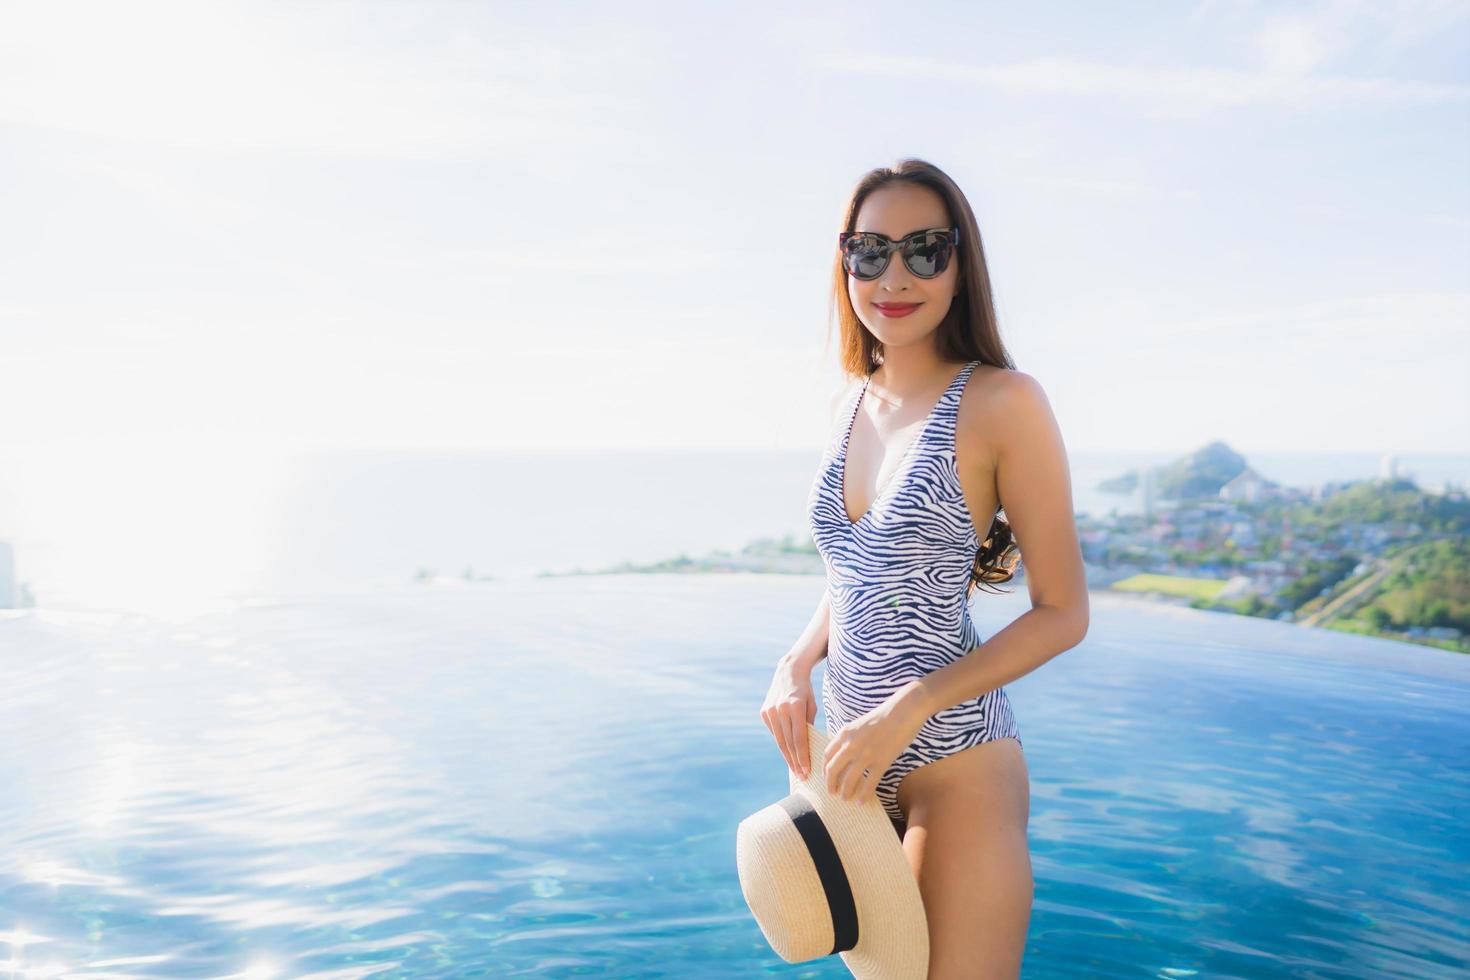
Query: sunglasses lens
pixel 865 256
pixel 927 255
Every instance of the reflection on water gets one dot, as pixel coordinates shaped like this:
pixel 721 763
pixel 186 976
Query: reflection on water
pixel 543 778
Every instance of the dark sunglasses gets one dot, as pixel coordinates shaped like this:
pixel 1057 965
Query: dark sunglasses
pixel 927 253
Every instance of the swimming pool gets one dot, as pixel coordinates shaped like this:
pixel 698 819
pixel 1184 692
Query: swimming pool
pixel 543 778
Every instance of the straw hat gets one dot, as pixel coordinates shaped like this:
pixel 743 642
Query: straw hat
pixel 825 875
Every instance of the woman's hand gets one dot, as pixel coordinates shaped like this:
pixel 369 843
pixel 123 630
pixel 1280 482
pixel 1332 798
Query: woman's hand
pixel 788 707
pixel 871 742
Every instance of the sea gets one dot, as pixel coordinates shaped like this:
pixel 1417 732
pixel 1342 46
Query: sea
pixel 545 778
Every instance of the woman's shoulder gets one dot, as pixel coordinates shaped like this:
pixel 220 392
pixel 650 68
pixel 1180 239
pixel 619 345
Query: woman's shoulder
pixel 999 403
pixel 1003 389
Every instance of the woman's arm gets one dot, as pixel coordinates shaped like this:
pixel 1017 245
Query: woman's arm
pixel 811 646
pixel 1035 487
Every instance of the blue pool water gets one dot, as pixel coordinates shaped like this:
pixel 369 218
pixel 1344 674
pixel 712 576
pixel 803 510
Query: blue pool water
pixel 543 778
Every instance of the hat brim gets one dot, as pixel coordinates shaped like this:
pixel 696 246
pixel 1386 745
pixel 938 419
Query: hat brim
pixel 893 931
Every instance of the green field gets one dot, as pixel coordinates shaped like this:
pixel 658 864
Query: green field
pixel 1180 585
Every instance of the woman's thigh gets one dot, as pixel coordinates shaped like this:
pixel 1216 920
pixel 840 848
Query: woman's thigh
pixel 966 841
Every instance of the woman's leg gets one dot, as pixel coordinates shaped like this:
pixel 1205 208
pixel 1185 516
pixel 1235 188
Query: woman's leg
pixel 966 842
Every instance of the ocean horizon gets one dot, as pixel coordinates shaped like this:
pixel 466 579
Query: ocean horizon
pixel 193 535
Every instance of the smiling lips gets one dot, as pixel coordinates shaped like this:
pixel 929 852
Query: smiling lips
pixel 896 309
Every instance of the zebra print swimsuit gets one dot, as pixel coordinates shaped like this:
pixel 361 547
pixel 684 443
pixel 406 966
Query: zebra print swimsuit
pixel 896 581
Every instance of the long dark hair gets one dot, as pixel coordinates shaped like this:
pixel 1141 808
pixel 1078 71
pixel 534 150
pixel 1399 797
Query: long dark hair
pixel 969 331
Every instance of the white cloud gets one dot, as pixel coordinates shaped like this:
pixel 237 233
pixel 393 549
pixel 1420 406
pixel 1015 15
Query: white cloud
pixel 1115 189
pixel 318 78
pixel 1173 89
pixel 1380 371
pixel 1411 320
pixel 1339 27
pixel 1294 44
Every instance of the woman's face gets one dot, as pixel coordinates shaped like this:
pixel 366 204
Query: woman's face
pixel 898 210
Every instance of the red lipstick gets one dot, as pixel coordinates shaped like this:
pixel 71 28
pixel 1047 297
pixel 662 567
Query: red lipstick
pixel 896 309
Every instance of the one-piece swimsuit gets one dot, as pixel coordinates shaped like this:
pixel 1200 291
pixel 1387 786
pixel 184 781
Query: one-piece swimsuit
pixel 897 581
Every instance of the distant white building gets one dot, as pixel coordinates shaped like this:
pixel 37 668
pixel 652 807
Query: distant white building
pixel 1236 587
pixel 7 576
pixel 1245 485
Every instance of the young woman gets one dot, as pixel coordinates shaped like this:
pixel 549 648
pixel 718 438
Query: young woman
pixel 938 434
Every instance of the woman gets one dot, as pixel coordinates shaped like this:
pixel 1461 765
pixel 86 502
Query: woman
pixel 940 433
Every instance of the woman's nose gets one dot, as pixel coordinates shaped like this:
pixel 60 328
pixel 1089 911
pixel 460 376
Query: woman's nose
pixel 896 277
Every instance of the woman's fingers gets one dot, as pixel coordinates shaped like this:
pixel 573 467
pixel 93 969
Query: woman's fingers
pixel 836 767
pixel 799 739
pixel 787 721
pixel 845 778
pixel 854 784
pixel 794 737
pixel 784 721
pixel 776 723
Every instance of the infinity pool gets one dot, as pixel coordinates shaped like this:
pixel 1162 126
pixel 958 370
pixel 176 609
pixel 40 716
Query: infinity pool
pixel 543 778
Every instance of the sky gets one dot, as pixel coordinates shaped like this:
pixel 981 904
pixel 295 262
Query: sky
pixel 559 226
